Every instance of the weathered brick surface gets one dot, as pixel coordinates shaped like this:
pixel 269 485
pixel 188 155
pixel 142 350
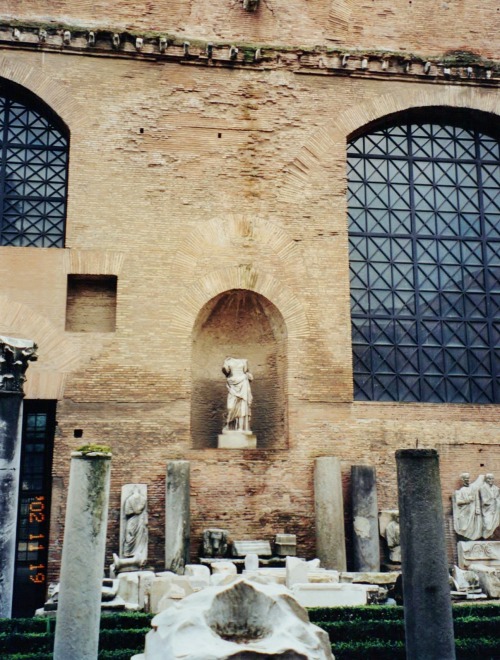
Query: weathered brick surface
pixel 429 27
pixel 189 181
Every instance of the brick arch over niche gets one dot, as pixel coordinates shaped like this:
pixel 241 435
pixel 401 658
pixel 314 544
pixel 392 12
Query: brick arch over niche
pixel 46 377
pixel 242 324
pixel 49 91
pixel 218 281
pixel 327 144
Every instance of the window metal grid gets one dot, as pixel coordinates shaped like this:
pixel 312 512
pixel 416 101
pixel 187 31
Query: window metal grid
pixel 33 176
pixel 424 231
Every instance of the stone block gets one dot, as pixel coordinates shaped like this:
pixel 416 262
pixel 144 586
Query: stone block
pixel 223 567
pixel 489 580
pixel 251 562
pixel 296 571
pixel 243 548
pixel 330 595
pixel 159 587
pixel 236 440
pixel 285 545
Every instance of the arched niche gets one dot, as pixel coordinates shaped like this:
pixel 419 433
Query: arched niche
pixel 242 324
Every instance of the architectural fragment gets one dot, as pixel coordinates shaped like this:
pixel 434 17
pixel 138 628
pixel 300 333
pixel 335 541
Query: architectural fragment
pixel 82 567
pixel 366 545
pixel 426 590
pixel 243 619
pixel 15 355
pixel 177 516
pixel 329 510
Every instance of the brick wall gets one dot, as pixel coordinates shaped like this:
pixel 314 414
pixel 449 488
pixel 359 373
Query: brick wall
pixel 186 182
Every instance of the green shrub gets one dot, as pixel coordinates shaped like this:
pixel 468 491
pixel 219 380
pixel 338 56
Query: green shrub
pixel 340 631
pixel 375 649
pixel 25 642
pixel 318 614
pixel 121 639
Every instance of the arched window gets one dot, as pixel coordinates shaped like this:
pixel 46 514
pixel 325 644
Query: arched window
pixel 33 172
pixel 424 229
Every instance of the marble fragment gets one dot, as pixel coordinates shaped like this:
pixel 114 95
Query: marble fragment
pixel 243 619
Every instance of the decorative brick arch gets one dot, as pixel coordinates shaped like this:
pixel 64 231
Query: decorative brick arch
pixel 51 92
pixel 223 233
pixel 238 277
pixel 322 147
pixel 57 355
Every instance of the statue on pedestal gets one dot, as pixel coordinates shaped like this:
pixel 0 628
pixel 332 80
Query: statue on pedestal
pixel 239 394
pixel 236 433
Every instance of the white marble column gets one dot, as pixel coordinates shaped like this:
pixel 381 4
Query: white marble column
pixel 82 567
pixel 329 510
pixel 177 516
pixel 14 357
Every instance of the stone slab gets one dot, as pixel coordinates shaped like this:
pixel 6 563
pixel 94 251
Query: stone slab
pixel 370 578
pixel 330 595
pixel 472 553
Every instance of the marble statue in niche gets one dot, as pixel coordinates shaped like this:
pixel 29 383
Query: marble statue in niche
pixel 467 515
pixel 239 394
pixel 133 529
pixel 236 433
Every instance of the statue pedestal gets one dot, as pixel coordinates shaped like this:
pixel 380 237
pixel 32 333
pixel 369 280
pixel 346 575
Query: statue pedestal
pixel 237 440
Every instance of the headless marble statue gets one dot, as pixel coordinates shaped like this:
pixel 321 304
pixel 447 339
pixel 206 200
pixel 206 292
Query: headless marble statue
pixel 134 529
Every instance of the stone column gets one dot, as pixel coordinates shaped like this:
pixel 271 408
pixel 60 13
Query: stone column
pixel 426 589
pixel 329 510
pixel 14 357
pixel 82 567
pixel 177 516
pixel 366 545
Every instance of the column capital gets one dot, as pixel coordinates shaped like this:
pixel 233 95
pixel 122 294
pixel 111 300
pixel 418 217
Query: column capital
pixel 14 357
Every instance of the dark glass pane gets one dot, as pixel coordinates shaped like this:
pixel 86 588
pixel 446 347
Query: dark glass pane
pixel 34 158
pixel 424 208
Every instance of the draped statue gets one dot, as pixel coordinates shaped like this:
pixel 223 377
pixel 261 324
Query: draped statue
pixel 239 394
pixel 133 529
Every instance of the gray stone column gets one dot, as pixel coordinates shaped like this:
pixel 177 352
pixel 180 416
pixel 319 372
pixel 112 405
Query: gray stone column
pixel 426 589
pixel 177 516
pixel 14 357
pixel 366 545
pixel 82 567
pixel 329 511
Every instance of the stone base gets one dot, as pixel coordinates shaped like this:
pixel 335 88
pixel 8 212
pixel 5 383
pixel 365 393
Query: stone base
pixel 236 440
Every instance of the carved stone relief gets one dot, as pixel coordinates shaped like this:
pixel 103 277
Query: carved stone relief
pixel 476 507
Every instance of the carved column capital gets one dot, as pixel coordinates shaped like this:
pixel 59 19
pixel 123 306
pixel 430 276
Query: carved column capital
pixel 14 357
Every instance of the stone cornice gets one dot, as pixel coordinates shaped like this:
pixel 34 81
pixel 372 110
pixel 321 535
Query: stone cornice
pixel 462 67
